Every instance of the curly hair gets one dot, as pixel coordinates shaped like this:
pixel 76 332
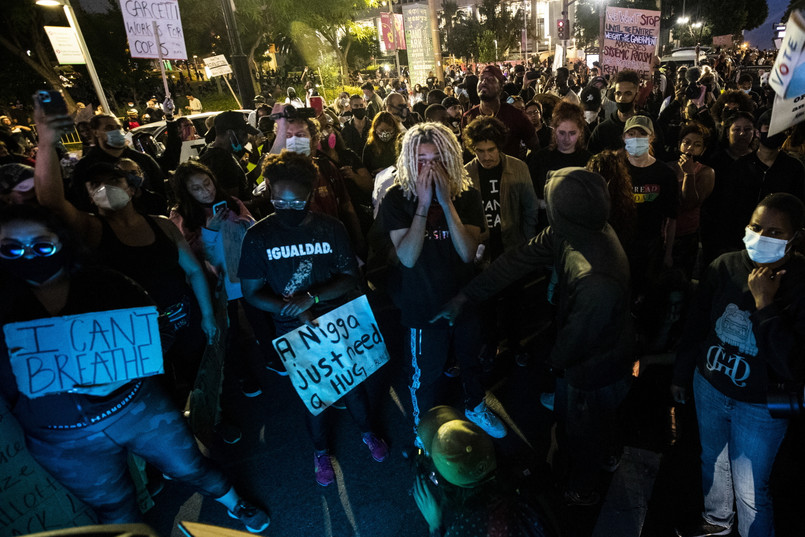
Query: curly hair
pixel 566 111
pixel 376 144
pixel 192 212
pixel 744 102
pixel 483 129
pixel 612 166
pixel 449 153
pixel 291 167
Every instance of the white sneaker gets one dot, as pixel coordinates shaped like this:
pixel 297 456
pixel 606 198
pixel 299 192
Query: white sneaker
pixel 486 420
pixel 547 400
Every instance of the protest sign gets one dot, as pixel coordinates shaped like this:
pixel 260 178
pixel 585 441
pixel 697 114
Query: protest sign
pixel 65 45
pixel 630 40
pixel 722 40
pixel 786 113
pixel 84 353
pixel 217 65
pixel 327 361
pixel 418 39
pixel 139 17
pixel 788 75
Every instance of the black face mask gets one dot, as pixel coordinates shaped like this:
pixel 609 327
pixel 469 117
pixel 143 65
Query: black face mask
pixel 359 113
pixel 625 108
pixel 402 111
pixel 772 142
pixel 35 269
pixel 290 217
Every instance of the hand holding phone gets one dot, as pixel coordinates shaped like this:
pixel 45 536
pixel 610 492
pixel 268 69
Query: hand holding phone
pixel 218 207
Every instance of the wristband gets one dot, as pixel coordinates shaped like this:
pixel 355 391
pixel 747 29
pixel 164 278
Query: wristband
pixel 314 297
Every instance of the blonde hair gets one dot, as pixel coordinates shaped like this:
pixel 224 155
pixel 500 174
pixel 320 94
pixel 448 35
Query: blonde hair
pixel 449 153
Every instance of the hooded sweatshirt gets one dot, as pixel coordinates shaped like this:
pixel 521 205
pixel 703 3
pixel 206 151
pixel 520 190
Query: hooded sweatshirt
pixel 593 345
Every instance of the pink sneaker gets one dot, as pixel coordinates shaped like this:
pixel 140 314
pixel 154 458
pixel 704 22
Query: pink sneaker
pixel 325 474
pixel 377 446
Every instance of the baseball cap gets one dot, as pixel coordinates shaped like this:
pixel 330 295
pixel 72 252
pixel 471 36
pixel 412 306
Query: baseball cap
pixel 103 170
pixel 461 451
pixel 233 120
pixel 639 122
pixel 16 177
pixel 590 98
pixel 495 71
pixel 259 99
pixel 598 80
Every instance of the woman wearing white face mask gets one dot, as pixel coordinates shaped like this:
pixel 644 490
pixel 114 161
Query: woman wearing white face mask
pixel 744 334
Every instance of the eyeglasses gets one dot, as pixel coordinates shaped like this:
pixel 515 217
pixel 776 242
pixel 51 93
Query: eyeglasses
pixel 296 205
pixel 15 250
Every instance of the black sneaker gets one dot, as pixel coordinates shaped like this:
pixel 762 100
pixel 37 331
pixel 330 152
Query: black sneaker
pixel 703 529
pixel 250 387
pixel 254 518
pixel 277 367
pixel 579 499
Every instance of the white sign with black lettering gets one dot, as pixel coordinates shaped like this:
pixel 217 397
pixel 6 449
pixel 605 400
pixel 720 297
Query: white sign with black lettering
pixel 139 17
pixel 328 361
pixel 217 66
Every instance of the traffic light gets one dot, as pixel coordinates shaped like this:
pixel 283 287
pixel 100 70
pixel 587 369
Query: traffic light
pixel 561 29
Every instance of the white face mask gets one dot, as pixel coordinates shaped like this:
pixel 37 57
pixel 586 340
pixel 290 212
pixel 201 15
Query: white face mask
pixel 590 115
pixel 111 197
pixel 764 249
pixel 298 144
pixel 637 147
pixel 116 139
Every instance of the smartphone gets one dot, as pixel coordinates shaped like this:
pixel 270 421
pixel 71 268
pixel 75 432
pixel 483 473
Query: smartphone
pixel 51 102
pixel 218 207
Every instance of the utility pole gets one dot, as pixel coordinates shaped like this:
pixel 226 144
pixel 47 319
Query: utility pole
pixel 240 63
pixel 437 44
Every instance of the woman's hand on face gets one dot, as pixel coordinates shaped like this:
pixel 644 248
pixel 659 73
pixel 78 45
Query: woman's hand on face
pixel 764 284
pixel 687 164
pixel 217 219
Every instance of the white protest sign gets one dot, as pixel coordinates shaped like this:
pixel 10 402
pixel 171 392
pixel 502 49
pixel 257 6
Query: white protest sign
pixel 326 362
pixel 630 40
pixel 786 113
pixel 217 66
pixel 65 44
pixel 84 352
pixel 788 75
pixel 139 17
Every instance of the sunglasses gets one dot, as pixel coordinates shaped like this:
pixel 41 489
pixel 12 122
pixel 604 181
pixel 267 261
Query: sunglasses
pixel 296 205
pixel 15 250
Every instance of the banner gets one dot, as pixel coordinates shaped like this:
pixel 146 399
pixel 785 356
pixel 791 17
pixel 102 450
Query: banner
pixel 65 45
pixel 217 66
pixel 788 75
pixel 139 17
pixel 328 361
pixel 630 40
pixel 388 41
pixel 418 40
pixel 84 353
pixel 722 40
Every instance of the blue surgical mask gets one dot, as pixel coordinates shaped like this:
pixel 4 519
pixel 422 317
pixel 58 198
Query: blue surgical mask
pixel 764 249
pixel 116 139
pixel 637 147
pixel 237 147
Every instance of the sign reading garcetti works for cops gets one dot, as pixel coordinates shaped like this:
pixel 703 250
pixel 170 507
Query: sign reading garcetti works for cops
pixel 139 17
pixel 88 353
pixel 327 361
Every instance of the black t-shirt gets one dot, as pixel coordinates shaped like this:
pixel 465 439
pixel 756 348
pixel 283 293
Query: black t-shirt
pixel 546 160
pixel 293 259
pixel 656 196
pixel 439 273
pixel 489 184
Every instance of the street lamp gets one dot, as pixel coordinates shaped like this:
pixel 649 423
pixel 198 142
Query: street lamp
pixel 93 75
pixel 683 20
pixel 496 51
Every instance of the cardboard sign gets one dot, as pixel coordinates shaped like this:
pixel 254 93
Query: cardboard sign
pixel 65 45
pixel 326 362
pixel 139 17
pixel 788 75
pixel 630 40
pixel 84 353
pixel 217 66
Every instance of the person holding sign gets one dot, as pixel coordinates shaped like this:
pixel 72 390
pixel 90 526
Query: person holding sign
pixel 81 433
pixel 297 265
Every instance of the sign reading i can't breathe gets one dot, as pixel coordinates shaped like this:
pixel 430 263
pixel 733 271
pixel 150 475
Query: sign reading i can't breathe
pixel 88 353
pixel 327 361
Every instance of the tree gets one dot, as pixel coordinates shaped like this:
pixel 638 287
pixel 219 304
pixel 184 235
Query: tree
pixel 487 51
pixel 497 18
pixel 463 38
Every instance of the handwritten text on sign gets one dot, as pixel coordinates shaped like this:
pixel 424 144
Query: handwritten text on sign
pixel 84 352
pixel 630 39
pixel 139 17
pixel 328 361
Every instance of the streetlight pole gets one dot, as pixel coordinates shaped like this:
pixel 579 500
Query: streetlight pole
pixel 496 51
pixel 93 74
pixel 602 32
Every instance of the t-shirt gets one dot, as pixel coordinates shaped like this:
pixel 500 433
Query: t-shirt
pixel 656 196
pixel 546 160
pixel 520 128
pixel 489 184
pixel 439 273
pixel 292 259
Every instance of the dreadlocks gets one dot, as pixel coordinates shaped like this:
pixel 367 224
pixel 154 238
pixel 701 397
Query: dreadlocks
pixel 449 153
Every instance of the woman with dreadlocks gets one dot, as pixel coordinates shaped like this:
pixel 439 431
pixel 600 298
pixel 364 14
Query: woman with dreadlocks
pixel 434 219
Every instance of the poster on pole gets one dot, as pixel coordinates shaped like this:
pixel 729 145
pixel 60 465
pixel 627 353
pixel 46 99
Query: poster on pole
pixel 91 353
pixel 217 66
pixel 418 41
pixel 388 41
pixel 630 40
pixel 65 45
pixel 327 361
pixel 788 75
pixel 139 17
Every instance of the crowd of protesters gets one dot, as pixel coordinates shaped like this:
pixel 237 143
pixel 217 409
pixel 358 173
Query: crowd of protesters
pixel 623 193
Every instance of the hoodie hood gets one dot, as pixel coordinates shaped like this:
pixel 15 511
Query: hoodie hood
pixel 577 203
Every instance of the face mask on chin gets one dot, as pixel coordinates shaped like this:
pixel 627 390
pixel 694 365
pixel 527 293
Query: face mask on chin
pixel 764 249
pixel 110 197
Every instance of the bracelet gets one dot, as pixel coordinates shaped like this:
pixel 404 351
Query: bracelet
pixel 422 215
pixel 314 297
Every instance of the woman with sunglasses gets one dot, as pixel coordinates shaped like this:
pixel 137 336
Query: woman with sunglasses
pixel 81 436
pixel 148 249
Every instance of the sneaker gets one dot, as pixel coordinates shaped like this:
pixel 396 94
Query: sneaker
pixel 325 475
pixel 547 400
pixel 377 446
pixel 486 420
pixel 229 433
pixel 578 499
pixel 453 371
pixel 521 359
pixel 703 529
pixel 250 387
pixel 277 367
pixel 254 518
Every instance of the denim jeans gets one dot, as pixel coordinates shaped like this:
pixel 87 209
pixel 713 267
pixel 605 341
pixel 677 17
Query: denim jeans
pixel 739 443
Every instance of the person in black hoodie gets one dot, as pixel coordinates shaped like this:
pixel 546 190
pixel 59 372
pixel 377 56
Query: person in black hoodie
pixel 593 349
pixel 744 333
